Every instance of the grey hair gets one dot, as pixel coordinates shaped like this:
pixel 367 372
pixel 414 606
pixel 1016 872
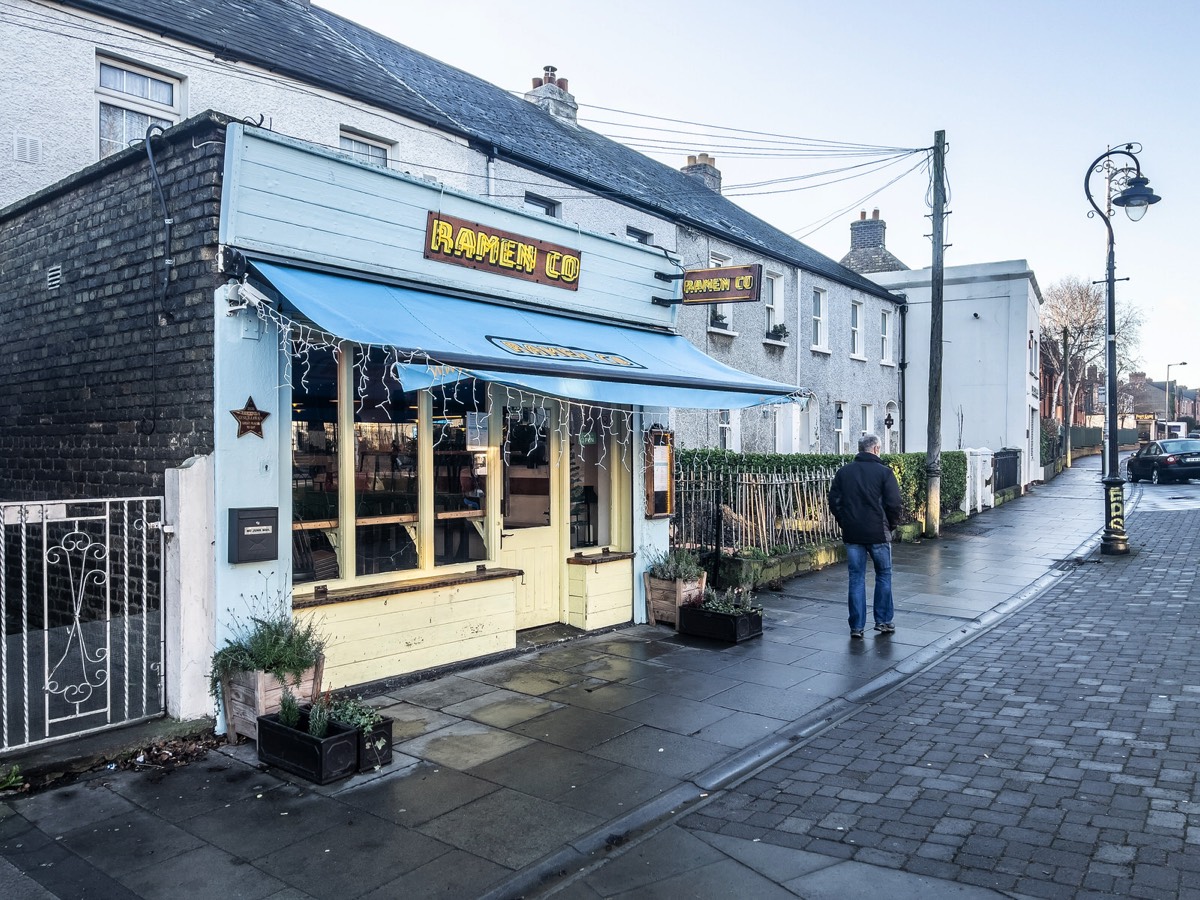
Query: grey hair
pixel 868 443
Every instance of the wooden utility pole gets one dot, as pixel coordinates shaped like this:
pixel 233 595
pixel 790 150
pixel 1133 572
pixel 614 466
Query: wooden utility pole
pixel 933 452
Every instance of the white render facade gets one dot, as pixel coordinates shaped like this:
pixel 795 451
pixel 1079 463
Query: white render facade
pixel 839 351
pixel 100 71
pixel 990 360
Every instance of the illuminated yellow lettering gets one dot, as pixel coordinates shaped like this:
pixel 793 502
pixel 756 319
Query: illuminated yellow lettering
pixel 552 259
pixel 487 246
pixel 441 237
pixel 464 242
pixel 508 251
pixel 526 257
pixel 570 268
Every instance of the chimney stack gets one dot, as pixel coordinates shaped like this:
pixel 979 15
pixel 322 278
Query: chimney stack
pixel 704 169
pixel 868 252
pixel 550 93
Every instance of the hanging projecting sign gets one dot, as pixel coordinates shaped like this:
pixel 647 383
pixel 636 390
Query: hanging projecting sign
pixel 462 243
pixel 728 284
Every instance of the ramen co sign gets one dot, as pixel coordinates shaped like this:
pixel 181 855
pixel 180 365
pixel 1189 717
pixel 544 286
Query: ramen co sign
pixel 459 242
pixel 728 284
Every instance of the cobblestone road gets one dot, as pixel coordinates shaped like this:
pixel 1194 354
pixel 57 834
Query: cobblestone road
pixel 1055 756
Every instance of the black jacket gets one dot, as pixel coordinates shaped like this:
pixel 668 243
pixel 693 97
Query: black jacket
pixel 865 500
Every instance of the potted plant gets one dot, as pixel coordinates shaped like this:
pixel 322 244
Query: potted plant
pixel 374 731
pixel 731 615
pixel 778 332
pixel 672 579
pixel 308 742
pixel 266 652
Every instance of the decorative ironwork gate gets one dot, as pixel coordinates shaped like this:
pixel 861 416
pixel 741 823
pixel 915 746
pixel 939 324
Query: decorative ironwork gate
pixel 81 598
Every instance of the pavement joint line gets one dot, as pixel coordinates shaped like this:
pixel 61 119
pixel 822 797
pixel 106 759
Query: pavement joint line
pixel 706 785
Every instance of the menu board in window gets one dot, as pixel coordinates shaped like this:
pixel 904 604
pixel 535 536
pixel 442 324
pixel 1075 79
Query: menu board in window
pixel 660 468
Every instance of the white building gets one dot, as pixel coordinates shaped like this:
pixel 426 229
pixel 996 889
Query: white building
pixel 990 358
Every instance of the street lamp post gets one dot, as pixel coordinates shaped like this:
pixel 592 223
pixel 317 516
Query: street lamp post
pixel 1167 392
pixel 1135 197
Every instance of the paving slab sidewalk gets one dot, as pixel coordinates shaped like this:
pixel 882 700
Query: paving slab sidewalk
pixel 509 775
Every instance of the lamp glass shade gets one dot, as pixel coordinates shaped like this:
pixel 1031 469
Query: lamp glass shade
pixel 1136 198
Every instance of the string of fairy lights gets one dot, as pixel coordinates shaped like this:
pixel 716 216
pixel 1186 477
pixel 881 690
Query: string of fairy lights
pixel 613 426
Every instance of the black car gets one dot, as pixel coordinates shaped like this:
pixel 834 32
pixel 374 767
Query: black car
pixel 1177 459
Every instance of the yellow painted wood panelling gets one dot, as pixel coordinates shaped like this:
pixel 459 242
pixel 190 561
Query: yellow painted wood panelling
pixel 600 595
pixel 381 637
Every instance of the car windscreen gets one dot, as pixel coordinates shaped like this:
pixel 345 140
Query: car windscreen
pixel 1181 446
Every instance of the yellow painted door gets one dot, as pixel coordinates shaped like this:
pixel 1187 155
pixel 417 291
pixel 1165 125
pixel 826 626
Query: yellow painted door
pixel 535 552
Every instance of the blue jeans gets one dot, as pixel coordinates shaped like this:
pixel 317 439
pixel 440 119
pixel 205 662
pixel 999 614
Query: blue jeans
pixel 856 562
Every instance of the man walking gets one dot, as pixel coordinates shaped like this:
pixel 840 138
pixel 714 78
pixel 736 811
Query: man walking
pixel 865 500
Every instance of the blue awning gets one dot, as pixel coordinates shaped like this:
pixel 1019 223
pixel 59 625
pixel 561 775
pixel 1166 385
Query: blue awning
pixel 450 338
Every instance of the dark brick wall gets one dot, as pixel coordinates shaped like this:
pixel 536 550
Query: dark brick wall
pixel 105 382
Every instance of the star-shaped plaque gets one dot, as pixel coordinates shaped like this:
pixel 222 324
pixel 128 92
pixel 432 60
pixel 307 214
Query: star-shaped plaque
pixel 249 418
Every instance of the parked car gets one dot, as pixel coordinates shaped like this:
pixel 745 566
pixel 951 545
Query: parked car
pixel 1194 434
pixel 1177 459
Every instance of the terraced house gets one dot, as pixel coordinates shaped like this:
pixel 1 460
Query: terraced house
pixel 354 328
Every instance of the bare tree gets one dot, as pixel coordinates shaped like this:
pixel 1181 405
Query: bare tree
pixel 1079 308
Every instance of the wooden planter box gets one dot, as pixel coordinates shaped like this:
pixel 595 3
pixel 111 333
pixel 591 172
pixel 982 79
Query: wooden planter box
pixel 719 626
pixel 375 746
pixel 295 750
pixel 248 695
pixel 664 598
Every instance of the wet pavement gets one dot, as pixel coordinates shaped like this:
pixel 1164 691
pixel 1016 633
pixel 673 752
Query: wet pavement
pixel 642 763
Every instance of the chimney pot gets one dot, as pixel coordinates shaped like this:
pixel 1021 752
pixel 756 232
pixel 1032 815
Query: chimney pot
pixel 537 83
pixel 548 74
pixel 874 214
pixel 692 160
pixel 562 83
pixel 862 215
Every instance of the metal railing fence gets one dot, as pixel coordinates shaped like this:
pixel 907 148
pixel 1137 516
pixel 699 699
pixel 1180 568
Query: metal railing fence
pixel 82 617
pixel 772 511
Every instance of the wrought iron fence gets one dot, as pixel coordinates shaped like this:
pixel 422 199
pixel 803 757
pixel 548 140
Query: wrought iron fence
pixel 773 511
pixel 1006 466
pixel 81 608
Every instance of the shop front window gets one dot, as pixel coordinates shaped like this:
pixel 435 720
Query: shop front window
pixel 592 465
pixel 315 526
pixel 460 440
pixel 386 483
pixel 526 455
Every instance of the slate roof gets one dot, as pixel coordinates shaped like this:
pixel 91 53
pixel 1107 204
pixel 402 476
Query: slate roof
pixel 313 45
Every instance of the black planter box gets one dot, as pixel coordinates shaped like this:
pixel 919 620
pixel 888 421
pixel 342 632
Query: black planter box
pixel 719 626
pixel 375 746
pixel 295 750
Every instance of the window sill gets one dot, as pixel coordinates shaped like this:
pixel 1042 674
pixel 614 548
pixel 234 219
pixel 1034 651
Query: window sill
pixel 824 350
pixel 858 358
pixel 887 362
pixel 368 592
pixel 771 342
pixel 726 332
pixel 604 556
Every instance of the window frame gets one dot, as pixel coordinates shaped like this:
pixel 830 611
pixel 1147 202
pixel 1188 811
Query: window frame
pixel 773 306
pixel 536 203
pixel 856 329
pixel 886 356
pixel 820 340
pixel 357 137
pixel 170 113
pixel 637 236
pixel 716 261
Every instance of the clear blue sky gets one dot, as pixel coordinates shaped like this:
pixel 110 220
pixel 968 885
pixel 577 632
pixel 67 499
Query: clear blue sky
pixel 1029 92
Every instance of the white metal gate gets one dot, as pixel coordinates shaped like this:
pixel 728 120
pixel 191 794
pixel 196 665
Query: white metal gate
pixel 81 590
